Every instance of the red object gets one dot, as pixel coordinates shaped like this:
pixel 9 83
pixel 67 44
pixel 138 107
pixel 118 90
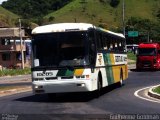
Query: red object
pixel 148 56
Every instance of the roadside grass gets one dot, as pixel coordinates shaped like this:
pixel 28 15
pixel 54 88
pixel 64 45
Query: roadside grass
pixel 131 58
pixel 7 18
pixel 157 90
pixel 2 88
pixel 109 17
pixel 13 72
pixel 134 62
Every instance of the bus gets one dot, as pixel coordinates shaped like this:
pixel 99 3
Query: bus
pixel 132 48
pixel 76 57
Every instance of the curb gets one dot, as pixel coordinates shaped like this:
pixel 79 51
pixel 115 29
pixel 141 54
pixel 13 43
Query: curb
pixel 152 94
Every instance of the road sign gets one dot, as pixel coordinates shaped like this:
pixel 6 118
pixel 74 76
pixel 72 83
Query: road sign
pixel 132 33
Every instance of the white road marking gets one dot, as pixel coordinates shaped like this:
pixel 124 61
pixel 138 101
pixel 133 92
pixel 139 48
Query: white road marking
pixel 136 94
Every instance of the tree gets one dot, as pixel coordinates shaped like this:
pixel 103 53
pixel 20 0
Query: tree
pixel 114 3
pixel 145 27
pixel 34 8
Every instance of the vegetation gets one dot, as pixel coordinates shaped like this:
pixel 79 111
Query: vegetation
pixel 131 56
pixel 12 72
pixel 146 28
pixel 33 8
pixel 2 88
pixel 157 90
pixel 140 15
pixel 143 19
pixel 7 18
pixel 104 12
pixel 114 3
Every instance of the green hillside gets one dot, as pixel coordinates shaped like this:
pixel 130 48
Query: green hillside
pixel 99 12
pixel 7 19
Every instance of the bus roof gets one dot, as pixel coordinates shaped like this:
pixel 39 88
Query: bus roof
pixel 64 27
pixel 110 32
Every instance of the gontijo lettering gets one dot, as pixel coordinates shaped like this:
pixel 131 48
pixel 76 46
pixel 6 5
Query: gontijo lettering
pixel 120 58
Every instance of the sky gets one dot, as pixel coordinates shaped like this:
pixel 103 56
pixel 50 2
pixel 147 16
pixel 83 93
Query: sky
pixel 2 1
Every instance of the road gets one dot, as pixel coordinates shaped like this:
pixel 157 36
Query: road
pixel 114 100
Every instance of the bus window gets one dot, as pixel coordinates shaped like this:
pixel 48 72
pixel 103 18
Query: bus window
pixel 99 40
pixel 92 48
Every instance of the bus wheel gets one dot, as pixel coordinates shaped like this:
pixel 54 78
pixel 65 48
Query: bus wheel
pixel 99 86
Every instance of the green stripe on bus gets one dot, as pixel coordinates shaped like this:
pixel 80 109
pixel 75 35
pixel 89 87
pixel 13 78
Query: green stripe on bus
pixel 69 72
pixel 109 71
pixel 66 72
pixel 61 73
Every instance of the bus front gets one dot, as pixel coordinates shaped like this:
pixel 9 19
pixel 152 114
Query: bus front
pixel 61 62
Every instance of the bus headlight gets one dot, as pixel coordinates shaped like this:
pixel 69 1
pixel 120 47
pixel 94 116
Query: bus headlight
pixel 79 77
pixel 38 87
pixel 83 77
pixel 38 79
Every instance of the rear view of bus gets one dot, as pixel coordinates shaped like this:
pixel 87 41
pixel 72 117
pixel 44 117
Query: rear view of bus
pixel 66 59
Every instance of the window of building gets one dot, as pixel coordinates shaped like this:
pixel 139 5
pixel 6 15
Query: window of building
pixel 18 56
pixel 5 42
pixel 6 56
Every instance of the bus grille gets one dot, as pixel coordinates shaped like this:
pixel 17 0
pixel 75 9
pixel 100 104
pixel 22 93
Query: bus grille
pixel 51 78
pixel 67 77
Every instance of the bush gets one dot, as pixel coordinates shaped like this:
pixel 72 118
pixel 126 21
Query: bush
pixel 12 72
pixel 114 3
pixel 157 90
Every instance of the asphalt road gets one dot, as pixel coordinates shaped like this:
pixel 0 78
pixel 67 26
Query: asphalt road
pixel 114 100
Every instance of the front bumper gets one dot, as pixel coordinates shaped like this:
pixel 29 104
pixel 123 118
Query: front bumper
pixel 40 87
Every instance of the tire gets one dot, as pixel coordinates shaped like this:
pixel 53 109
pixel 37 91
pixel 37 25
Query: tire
pixel 99 87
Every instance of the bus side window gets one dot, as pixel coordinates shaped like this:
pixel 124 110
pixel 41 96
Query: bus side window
pixel 104 42
pixel 109 46
pixel 99 40
pixel 92 47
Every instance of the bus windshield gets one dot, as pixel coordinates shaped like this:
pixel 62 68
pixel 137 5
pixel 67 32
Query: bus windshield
pixel 147 51
pixel 61 49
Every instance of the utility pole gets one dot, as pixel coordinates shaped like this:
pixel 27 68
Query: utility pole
pixel 21 44
pixel 123 7
pixel 123 19
pixel 148 37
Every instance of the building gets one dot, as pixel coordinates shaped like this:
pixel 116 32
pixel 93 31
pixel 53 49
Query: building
pixel 10 48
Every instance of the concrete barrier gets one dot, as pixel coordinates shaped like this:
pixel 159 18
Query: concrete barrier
pixel 153 94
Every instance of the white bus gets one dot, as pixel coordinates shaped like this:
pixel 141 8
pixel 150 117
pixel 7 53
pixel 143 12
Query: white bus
pixel 76 57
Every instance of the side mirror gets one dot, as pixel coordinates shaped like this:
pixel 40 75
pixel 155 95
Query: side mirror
pixel 36 62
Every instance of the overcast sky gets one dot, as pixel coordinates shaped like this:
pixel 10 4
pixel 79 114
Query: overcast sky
pixel 2 1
